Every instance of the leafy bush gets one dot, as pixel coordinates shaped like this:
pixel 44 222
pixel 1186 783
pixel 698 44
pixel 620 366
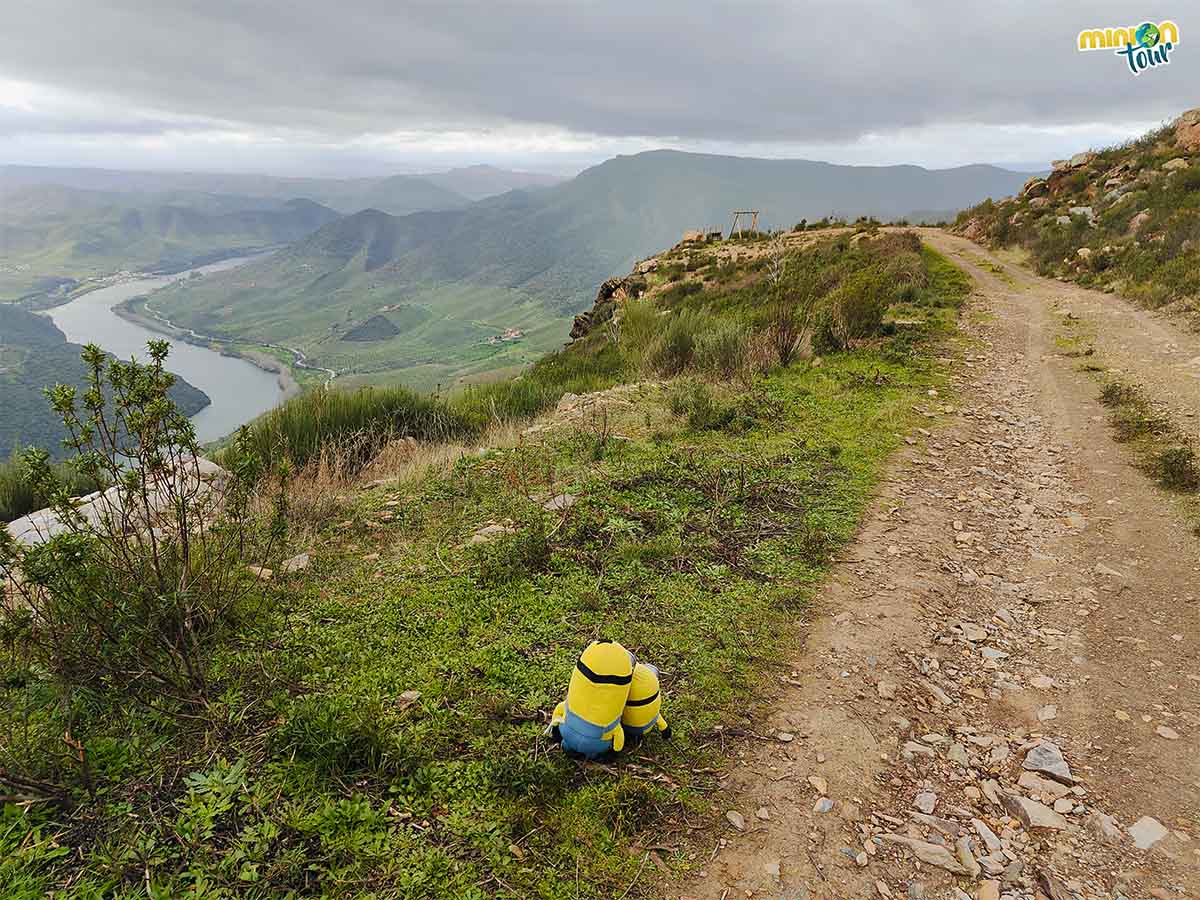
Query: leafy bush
pixel 127 604
pixel 854 309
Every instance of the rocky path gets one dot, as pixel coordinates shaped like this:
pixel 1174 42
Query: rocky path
pixel 998 696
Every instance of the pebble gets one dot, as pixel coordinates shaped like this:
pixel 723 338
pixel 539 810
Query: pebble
pixel 820 785
pixel 736 819
pixel 763 813
pixel 823 805
pixel 1165 731
pixel 926 802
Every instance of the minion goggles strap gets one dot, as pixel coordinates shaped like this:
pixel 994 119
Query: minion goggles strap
pixel 602 679
pixel 645 701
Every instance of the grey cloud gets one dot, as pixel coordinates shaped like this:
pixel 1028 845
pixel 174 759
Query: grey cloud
pixel 758 70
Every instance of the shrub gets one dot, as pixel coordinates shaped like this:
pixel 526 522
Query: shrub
pixel 721 350
pixel 703 411
pixel 856 307
pixel 675 346
pixel 638 328
pixel 362 420
pixel 129 602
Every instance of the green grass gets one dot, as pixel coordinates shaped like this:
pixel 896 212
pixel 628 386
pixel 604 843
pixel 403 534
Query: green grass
pixel 1161 447
pixel 704 522
pixel 18 496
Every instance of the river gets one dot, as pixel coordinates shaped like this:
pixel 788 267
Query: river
pixel 239 391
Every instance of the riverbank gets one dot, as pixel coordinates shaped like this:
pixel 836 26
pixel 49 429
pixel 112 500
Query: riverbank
pixel 136 311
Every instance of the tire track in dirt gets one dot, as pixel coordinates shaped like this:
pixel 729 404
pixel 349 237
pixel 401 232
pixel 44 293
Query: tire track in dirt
pixel 1016 583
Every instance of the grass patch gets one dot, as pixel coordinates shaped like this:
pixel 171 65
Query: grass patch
pixel 1163 450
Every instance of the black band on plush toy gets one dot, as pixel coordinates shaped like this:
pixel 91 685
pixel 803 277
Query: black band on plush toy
pixel 644 701
pixel 602 679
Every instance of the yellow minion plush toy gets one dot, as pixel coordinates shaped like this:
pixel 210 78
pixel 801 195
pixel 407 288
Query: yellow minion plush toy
pixel 588 723
pixel 643 709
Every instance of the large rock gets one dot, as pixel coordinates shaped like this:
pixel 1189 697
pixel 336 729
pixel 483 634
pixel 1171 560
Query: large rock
pixel 1033 815
pixel 1034 187
pixel 1045 757
pixel 200 479
pixel 1082 159
pixel 1147 831
pixel 932 854
pixel 1187 130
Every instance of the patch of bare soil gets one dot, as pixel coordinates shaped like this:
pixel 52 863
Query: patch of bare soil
pixel 998 697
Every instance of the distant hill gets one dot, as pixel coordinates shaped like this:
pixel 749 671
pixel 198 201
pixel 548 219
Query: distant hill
pixel 52 234
pixel 528 259
pixel 399 195
pixel 480 182
pixel 34 355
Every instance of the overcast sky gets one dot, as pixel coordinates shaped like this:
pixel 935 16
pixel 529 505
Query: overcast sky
pixel 374 86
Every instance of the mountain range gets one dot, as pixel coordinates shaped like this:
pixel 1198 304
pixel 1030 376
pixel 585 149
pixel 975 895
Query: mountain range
pixel 527 259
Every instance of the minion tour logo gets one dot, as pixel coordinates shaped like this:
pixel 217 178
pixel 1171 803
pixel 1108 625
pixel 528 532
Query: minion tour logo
pixel 1144 46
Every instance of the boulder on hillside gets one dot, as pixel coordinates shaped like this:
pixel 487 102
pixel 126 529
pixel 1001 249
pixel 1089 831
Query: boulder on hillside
pixel 200 479
pixel 1136 223
pixel 1082 159
pixel 1187 130
pixel 1035 187
pixel 1174 165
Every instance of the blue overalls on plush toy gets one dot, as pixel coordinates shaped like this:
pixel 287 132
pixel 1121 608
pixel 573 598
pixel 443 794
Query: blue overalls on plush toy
pixel 588 722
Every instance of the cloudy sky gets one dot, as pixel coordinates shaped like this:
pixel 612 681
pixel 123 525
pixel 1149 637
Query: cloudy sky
pixel 374 86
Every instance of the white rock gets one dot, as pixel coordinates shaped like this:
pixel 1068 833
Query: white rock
pixel 736 819
pixel 1165 731
pixel 986 835
pixel 926 802
pixel 1146 832
pixel 297 563
pixel 559 503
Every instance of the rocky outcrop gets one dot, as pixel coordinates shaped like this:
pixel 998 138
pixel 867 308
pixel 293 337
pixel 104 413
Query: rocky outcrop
pixel 1187 131
pixel 611 295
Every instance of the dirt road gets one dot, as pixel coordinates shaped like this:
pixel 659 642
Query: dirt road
pixel 1019 591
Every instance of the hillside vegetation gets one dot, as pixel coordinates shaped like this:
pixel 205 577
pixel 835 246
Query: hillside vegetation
pixel 372 723
pixel 528 259
pixel 1125 219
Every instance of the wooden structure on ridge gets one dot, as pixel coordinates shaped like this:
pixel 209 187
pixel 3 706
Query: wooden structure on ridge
pixel 740 216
